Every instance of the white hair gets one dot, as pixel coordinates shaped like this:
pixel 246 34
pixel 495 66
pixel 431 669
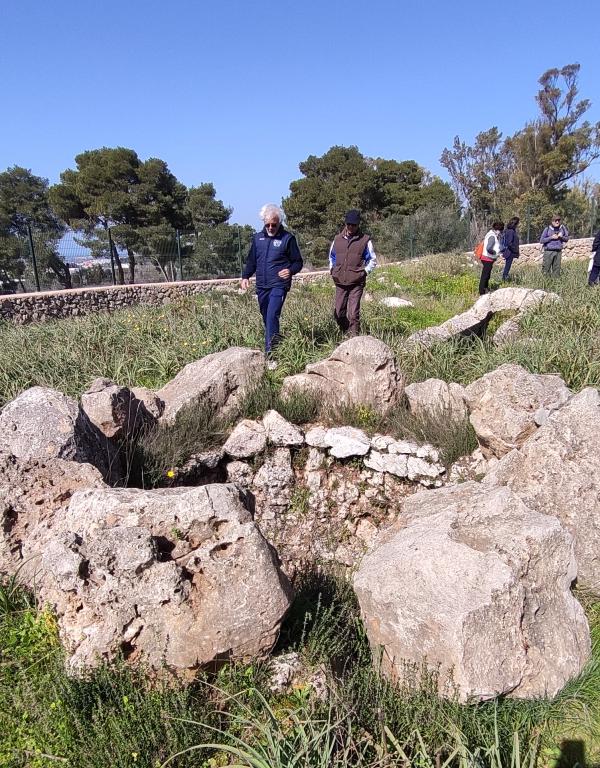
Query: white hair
pixel 270 209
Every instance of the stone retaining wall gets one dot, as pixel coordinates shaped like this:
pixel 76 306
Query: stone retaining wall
pixel 23 308
pixel 573 249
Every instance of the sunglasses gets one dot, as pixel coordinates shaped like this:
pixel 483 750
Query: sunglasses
pixel 272 226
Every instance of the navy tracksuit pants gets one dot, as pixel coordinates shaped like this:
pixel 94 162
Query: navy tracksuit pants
pixel 270 301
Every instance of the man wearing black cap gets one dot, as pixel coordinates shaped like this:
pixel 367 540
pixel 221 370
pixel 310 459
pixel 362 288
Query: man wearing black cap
pixel 351 258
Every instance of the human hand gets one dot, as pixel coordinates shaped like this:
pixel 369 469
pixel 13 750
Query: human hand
pixel 284 274
pixel 244 283
pixel 556 236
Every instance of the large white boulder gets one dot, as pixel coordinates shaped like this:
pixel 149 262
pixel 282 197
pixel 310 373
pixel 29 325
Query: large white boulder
pixel 476 584
pixel 176 577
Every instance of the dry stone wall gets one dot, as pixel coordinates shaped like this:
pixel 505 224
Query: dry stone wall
pixel 23 308
pixel 573 250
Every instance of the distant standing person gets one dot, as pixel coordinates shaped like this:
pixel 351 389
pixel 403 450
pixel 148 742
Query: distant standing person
pixel 491 251
pixel 510 244
pixel 554 236
pixel 351 258
pixel 274 257
pixel 594 271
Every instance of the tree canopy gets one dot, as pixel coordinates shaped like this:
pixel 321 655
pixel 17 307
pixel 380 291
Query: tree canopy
pixel 343 178
pixel 531 170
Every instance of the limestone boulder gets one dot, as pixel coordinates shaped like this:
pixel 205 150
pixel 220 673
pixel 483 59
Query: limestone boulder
pixel 152 403
pixel 475 320
pixel 477 585
pixel 280 432
pixel 176 577
pixel 114 410
pixel 507 405
pixel 557 472
pixel 220 380
pixel 42 423
pixel 361 371
pixel 247 439
pixel 434 398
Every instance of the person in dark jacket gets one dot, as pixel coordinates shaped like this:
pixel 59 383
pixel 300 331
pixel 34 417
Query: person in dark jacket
pixel 510 244
pixel 553 238
pixel 594 272
pixel 273 257
pixel 351 258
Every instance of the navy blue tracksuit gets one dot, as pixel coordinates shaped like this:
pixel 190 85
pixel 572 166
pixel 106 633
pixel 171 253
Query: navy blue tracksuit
pixel 266 258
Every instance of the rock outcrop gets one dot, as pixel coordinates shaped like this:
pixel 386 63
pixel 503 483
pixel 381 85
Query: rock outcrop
pixel 476 584
pixel 507 405
pixel 361 371
pixel 557 472
pixel 114 410
pixel 220 381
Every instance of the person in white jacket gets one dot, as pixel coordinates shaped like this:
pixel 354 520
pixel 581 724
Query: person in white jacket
pixel 491 251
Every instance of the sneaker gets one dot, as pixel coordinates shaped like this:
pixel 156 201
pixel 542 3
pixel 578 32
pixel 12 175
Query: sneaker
pixel 271 365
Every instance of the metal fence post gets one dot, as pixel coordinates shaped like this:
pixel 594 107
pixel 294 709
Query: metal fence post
pixel 528 224
pixel 179 256
pixel 33 259
pixel 112 257
pixel 239 249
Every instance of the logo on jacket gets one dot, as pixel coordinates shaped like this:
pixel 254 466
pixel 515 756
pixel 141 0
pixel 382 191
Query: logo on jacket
pixel 276 243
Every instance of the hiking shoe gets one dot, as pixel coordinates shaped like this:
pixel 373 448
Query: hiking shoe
pixel 271 365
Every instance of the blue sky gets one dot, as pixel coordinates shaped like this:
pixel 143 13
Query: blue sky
pixel 238 93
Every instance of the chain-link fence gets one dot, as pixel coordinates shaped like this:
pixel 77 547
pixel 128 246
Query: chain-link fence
pixel 39 261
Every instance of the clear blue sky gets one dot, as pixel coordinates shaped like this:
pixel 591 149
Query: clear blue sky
pixel 238 93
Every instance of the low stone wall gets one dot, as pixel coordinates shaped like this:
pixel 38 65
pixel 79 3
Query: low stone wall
pixel 23 308
pixel 572 250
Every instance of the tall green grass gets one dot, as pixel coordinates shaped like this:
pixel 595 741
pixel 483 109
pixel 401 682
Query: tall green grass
pixel 148 346
pixel 117 716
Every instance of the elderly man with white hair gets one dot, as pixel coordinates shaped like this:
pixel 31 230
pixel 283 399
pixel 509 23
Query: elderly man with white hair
pixel 274 257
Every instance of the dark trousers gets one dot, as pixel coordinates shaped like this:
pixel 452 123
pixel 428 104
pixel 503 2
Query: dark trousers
pixel 347 307
pixel 486 272
pixel 594 274
pixel 270 301
pixel 508 260
pixel 551 262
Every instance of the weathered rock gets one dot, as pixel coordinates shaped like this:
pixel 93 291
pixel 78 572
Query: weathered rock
pixel 424 472
pixel 247 439
pixel 361 371
pixel 280 432
pixel 274 484
pixel 473 581
pixel 178 577
pixel 510 330
pixel 344 442
pixel 220 380
pixel 557 472
pixel 394 301
pixel 434 398
pixel 153 404
pixel 506 404
pixel 386 462
pixel 474 321
pixel 42 423
pixel 240 473
pixel 114 409
pixel 34 493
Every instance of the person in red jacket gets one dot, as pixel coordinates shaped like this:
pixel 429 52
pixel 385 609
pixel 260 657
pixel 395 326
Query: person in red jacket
pixel 351 258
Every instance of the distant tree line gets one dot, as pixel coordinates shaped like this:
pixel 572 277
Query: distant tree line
pixel 531 174
pixel 535 172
